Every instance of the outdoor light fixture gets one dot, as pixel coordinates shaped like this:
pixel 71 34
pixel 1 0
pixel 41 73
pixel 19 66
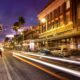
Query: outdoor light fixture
pixel 20 30
pixel 10 36
pixel 43 20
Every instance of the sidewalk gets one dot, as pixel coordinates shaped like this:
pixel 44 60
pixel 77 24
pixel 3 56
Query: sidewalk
pixel 3 73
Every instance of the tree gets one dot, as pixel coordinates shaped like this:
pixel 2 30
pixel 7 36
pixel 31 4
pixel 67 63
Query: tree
pixel 16 26
pixel 6 39
pixel 21 20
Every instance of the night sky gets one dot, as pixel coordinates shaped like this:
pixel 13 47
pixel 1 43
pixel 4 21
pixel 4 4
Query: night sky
pixel 10 10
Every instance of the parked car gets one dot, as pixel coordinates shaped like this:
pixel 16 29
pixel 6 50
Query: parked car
pixel 59 51
pixel 44 51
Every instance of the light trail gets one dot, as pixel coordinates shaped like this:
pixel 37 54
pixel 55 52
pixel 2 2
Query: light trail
pixel 55 58
pixel 70 71
pixel 41 68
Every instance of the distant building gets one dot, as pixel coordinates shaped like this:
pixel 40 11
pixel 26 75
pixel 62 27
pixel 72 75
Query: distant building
pixel 62 24
pixel 31 35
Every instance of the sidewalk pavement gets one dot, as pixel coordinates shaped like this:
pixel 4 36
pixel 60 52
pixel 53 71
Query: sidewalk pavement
pixel 3 73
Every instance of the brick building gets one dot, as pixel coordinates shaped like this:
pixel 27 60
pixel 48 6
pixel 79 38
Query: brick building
pixel 62 24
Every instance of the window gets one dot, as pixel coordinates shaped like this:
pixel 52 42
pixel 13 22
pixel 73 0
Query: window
pixel 61 9
pixel 78 15
pixel 78 11
pixel 61 20
pixel 48 17
pixel 44 28
pixel 52 24
pixel 68 18
pixel 51 16
pixel 49 26
pixel 56 13
pixel 56 23
pixel 68 4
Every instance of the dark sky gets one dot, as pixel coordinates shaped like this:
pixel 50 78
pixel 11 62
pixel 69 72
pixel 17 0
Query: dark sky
pixel 10 10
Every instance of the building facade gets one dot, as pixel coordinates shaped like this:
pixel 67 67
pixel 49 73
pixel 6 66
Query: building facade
pixel 31 35
pixel 62 24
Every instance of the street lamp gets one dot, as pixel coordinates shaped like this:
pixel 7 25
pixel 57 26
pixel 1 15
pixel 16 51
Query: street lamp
pixel 43 20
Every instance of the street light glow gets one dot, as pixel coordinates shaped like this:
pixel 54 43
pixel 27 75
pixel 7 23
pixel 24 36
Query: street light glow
pixel 43 20
pixel 10 36
pixel 20 30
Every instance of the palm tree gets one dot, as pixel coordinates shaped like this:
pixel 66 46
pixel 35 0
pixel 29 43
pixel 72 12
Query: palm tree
pixel 6 39
pixel 16 26
pixel 21 20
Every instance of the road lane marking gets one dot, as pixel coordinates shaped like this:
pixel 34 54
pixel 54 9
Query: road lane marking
pixel 7 71
pixel 70 71
pixel 12 70
pixel 41 68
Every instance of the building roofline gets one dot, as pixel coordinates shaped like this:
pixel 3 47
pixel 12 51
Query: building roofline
pixel 47 5
pixel 50 7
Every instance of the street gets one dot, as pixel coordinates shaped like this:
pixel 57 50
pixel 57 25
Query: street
pixel 19 70
pixel 39 39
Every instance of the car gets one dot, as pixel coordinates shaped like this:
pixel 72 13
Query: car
pixel 44 51
pixel 59 51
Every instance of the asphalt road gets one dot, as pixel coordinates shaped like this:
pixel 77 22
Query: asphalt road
pixel 19 70
pixel 59 73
